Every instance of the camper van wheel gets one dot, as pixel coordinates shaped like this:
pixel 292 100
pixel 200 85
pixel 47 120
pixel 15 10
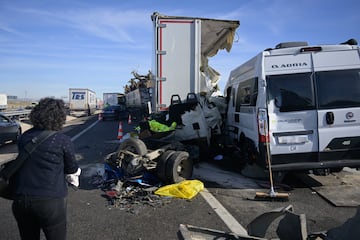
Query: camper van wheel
pixel 179 167
pixel 134 145
pixel 161 165
pixel 247 151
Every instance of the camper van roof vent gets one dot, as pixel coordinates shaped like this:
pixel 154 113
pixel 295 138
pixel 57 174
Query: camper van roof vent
pixel 291 44
pixel 351 41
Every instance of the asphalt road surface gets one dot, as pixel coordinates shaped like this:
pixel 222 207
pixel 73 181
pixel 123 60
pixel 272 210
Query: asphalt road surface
pixel 227 204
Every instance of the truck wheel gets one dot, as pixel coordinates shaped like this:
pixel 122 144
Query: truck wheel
pixel 134 145
pixel 161 165
pixel 179 167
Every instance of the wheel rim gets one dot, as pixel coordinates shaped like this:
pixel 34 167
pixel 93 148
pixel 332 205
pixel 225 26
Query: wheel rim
pixel 183 168
pixel 179 167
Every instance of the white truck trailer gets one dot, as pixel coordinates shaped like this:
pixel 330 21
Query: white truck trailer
pixel 182 46
pixel 82 102
pixel 3 102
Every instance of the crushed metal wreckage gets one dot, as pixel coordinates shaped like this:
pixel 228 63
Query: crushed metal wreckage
pixel 131 176
pixel 169 162
pixel 132 196
pixel 129 194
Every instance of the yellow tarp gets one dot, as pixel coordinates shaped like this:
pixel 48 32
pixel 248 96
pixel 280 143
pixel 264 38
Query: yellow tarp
pixel 186 189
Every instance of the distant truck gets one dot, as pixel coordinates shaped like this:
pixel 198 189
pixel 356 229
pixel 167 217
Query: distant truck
pixel 138 97
pixel 82 102
pixel 115 102
pixel 113 99
pixel 3 101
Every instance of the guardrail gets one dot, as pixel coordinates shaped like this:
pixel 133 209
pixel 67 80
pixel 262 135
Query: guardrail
pixel 17 114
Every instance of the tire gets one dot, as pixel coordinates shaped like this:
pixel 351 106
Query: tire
pixel 244 151
pixel 179 167
pixel 161 165
pixel 134 145
pixel 244 155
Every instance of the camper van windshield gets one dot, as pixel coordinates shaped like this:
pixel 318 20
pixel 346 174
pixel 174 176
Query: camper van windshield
pixel 291 92
pixel 338 89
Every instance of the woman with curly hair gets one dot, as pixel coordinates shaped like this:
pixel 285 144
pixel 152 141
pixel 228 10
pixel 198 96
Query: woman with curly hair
pixel 39 187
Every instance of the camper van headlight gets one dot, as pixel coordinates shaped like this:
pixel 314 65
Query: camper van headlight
pixel 296 139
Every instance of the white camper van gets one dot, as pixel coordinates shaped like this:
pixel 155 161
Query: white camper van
pixel 303 101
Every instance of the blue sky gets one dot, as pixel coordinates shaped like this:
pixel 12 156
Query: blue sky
pixel 47 47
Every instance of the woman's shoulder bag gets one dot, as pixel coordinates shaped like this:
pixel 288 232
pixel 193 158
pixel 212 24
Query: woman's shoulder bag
pixel 10 168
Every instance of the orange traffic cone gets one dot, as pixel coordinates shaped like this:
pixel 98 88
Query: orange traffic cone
pixel 120 131
pixel 100 117
pixel 129 119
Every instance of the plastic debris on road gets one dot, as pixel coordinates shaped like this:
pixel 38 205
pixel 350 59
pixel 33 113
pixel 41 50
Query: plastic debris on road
pixel 186 189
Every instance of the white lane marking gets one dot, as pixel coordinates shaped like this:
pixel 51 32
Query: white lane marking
pixel 83 131
pixel 228 219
